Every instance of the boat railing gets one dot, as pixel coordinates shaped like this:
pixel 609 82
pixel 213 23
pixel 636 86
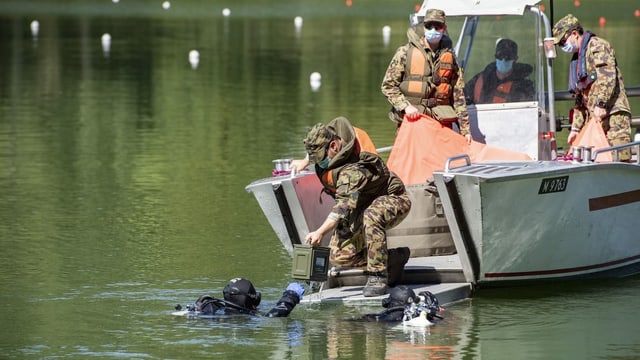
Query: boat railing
pixel 616 149
pixel 447 164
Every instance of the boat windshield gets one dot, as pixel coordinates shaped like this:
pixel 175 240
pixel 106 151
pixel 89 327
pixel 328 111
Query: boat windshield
pixel 476 46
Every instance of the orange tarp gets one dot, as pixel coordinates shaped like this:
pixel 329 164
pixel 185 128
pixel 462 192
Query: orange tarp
pixel 425 145
pixel 593 135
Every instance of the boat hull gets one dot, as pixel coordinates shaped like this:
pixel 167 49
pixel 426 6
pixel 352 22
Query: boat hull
pixel 294 205
pixel 544 220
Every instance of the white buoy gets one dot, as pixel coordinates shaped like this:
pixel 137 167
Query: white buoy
pixel 115 1
pixel 35 28
pixel 106 43
pixel 194 58
pixel 386 34
pixel 226 12
pixel 166 5
pixel 315 76
pixel 297 22
pixel 315 80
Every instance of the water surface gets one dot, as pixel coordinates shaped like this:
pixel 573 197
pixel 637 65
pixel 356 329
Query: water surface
pixel 122 177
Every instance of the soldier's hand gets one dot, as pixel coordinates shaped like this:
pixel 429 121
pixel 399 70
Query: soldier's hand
pixel 299 165
pixel 572 137
pixel 313 238
pixel 412 113
pixel 599 113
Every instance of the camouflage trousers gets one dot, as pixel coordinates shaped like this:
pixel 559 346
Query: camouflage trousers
pixel 367 246
pixel 617 127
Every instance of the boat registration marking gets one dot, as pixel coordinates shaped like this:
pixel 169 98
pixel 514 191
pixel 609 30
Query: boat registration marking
pixel 552 185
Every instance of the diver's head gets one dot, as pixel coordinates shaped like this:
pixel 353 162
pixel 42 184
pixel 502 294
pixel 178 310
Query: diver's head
pixel 400 296
pixel 241 292
pixel 430 302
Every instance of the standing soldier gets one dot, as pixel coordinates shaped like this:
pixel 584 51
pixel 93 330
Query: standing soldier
pixel 423 77
pixel 369 200
pixel 596 80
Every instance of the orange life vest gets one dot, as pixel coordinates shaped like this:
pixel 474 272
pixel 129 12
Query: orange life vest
pixel 443 77
pixel 500 96
pixel 363 143
pixel 428 83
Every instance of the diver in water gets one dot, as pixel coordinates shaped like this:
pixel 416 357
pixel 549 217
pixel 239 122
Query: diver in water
pixel 241 297
pixel 404 305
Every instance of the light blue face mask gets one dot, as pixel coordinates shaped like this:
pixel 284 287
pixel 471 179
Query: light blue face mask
pixel 432 35
pixel 325 162
pixel 504 66
pixel 570 48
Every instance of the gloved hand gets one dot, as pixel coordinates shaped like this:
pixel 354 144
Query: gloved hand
pixel 297 288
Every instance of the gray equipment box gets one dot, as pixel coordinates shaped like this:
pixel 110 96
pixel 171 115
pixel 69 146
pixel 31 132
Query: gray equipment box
pixel 310 263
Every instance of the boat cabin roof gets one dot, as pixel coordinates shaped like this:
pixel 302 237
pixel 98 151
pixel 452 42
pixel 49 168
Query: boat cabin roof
pixel 477 7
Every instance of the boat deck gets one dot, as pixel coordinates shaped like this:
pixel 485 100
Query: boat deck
pixel 501 169
pixel 440 275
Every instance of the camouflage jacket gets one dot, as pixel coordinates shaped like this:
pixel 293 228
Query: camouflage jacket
pixel 360 177
pixel 358 184
pixel 396 71
pixel 607 87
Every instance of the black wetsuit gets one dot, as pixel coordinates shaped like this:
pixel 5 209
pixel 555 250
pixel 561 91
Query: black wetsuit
pixel 394 314
pixel 209 305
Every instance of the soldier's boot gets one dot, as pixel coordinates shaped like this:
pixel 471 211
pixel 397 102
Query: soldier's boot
pixel 398 257
pixel 376 285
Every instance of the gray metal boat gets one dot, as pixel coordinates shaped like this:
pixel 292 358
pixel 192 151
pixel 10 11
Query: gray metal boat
pixel 494 223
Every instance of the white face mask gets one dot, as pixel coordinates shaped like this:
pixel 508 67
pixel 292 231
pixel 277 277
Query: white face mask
pixel 432 35
pixel 569 47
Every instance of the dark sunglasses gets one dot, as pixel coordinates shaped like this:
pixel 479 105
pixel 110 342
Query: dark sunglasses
pixel 564 40
pixel 433 25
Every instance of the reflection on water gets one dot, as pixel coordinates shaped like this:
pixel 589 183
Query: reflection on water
pixel 122 177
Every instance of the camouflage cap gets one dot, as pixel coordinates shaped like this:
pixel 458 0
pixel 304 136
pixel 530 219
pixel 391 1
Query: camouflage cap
pixel 506 49
pixel 436 15
pixel 563 26
pixel 317 141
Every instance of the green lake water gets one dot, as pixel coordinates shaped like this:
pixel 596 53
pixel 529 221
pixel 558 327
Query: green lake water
pixel 122 176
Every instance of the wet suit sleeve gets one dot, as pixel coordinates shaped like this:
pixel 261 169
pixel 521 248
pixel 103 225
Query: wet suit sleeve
pixel 285 305
pixel 394 314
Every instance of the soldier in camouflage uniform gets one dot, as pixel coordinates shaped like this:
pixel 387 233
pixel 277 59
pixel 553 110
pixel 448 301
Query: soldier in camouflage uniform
pixel 369 200
pixel 423 77
pixel 596 80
